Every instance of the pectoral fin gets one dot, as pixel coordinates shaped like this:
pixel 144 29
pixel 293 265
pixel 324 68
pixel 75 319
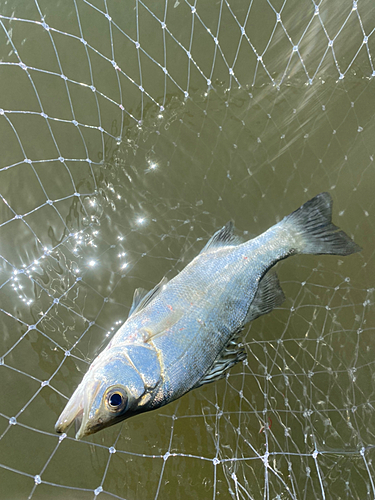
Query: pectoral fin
pixel 142 298
pixel 157 328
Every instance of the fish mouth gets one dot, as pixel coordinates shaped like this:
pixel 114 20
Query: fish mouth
pixel 85 428
pixel 78 410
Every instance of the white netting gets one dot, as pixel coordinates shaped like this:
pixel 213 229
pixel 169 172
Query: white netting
pixel 130 132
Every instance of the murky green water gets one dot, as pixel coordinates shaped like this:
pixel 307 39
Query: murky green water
pixel 107 187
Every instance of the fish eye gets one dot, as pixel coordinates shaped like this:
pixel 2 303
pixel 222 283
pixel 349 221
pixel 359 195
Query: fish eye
pixel 116 399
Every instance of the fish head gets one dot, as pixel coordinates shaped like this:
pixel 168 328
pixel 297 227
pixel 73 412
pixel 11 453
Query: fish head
pixel 109 393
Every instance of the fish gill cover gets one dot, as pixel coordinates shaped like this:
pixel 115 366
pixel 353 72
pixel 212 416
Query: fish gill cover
pixel 130 132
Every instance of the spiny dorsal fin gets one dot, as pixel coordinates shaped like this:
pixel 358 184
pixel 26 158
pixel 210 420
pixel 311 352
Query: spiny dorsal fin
pixel 142 298
pixel 233 353
pixel 223 237
pixel 268 296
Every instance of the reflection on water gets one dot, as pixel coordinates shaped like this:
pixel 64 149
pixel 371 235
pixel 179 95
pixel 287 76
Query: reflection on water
pixel 109 201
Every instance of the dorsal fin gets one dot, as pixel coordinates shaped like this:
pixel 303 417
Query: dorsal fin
pixel 223 237
pixel 233 353
pixel 142 298
pixel 268 296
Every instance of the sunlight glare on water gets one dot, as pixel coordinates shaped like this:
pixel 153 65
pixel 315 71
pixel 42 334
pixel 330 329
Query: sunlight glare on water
pixel 130 133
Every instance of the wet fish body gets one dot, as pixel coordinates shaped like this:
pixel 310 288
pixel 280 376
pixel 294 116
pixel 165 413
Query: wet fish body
pixel 184 333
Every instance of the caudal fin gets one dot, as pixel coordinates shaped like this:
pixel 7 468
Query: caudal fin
pixel 310 227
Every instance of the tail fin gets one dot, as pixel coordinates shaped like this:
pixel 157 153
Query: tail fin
pixel 311 228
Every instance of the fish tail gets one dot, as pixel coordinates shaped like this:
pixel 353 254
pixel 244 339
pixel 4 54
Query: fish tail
pixel 312 232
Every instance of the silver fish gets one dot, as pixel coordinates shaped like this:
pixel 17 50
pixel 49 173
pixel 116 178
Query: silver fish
pixel 185 333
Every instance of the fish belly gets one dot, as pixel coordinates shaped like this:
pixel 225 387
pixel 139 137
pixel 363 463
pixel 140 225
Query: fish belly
pixel 216 291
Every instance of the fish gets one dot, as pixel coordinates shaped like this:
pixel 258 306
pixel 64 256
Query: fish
pixel 186 332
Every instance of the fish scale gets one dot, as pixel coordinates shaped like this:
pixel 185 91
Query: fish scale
pixel 185 333
pixel 211 324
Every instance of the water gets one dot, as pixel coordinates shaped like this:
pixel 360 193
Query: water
pixel 109 188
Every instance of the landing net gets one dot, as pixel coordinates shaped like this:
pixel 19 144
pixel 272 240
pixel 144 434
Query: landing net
pixel 130 132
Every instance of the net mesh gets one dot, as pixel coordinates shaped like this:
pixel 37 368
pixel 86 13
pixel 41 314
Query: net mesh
pixel 131 131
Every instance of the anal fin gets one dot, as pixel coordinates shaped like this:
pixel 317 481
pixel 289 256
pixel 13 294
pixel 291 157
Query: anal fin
pixel 268 296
